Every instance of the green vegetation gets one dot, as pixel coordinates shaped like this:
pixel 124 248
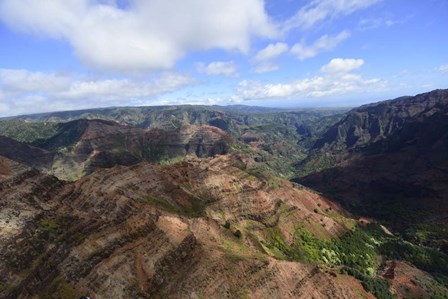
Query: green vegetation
pixel 356 251
pixel 50 227
pixel 64 138
pixel 155 153
pixel 227 224
pixel 315 163
pixel 237 233
pixel 279 247
pixel 261 172
pixel 273 182
pixel 431 235
pixel 26 131
pixel 195 209
pixel 66 290
pixel 428 259
pixel 308 246
pixel 172 161
pixel 5 289
pixel 241 147
pixel 377 286
pixel 59 288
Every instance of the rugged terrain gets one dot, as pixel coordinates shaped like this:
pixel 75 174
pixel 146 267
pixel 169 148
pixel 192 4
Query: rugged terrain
pixel 278 138
pixel 214 227
pixel 390 161
pixel 81 146
pixel 152 230
pixel 192 202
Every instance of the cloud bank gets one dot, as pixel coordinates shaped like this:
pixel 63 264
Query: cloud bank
pixel 23 91
pixel 146 34
pixel 336 78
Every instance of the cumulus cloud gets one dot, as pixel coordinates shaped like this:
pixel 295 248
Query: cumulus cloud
pixel 323 44
pixel 146 34
pixel 266 68
pixel 341 65
pixel 23 91
pixel 271 51
pixel 336 78
pixel 218 68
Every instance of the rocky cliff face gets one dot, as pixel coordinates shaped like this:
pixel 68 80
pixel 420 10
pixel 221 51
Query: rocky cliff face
pixel 389 161
pixel 81 146
pixel 376 123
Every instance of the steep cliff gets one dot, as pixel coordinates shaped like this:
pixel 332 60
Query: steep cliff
pixel 389 161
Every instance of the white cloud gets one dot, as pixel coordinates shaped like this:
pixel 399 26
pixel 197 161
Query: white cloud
pixel 271 51
pixel 147 34
pixel 23 91
pixel 319 10
pixel 443 68
pixel 374 23
pixel 341 65
pixel 266 68
pixel 218 68
pixel 192 101
pixel 323 44
pixel 336 79
pixel 25 81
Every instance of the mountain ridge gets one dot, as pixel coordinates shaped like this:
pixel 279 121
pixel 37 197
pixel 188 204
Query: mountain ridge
pixel 388 161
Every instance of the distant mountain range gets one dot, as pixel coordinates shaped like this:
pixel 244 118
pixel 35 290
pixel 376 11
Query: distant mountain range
pixel 278 138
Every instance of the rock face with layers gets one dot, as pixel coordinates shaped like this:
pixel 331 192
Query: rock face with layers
pixel 81 146
pixel 147 230
pixel 389 161
pixel 373 123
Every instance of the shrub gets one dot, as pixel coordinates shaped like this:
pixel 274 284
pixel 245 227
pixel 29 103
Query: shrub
pixel 227 224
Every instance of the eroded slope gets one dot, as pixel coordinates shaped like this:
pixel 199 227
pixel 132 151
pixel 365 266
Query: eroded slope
pixel 148 230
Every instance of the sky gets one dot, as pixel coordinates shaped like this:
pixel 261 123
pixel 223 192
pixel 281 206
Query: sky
pixel 60 55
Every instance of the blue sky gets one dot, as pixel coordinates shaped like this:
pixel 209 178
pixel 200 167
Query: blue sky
pixel 76 54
